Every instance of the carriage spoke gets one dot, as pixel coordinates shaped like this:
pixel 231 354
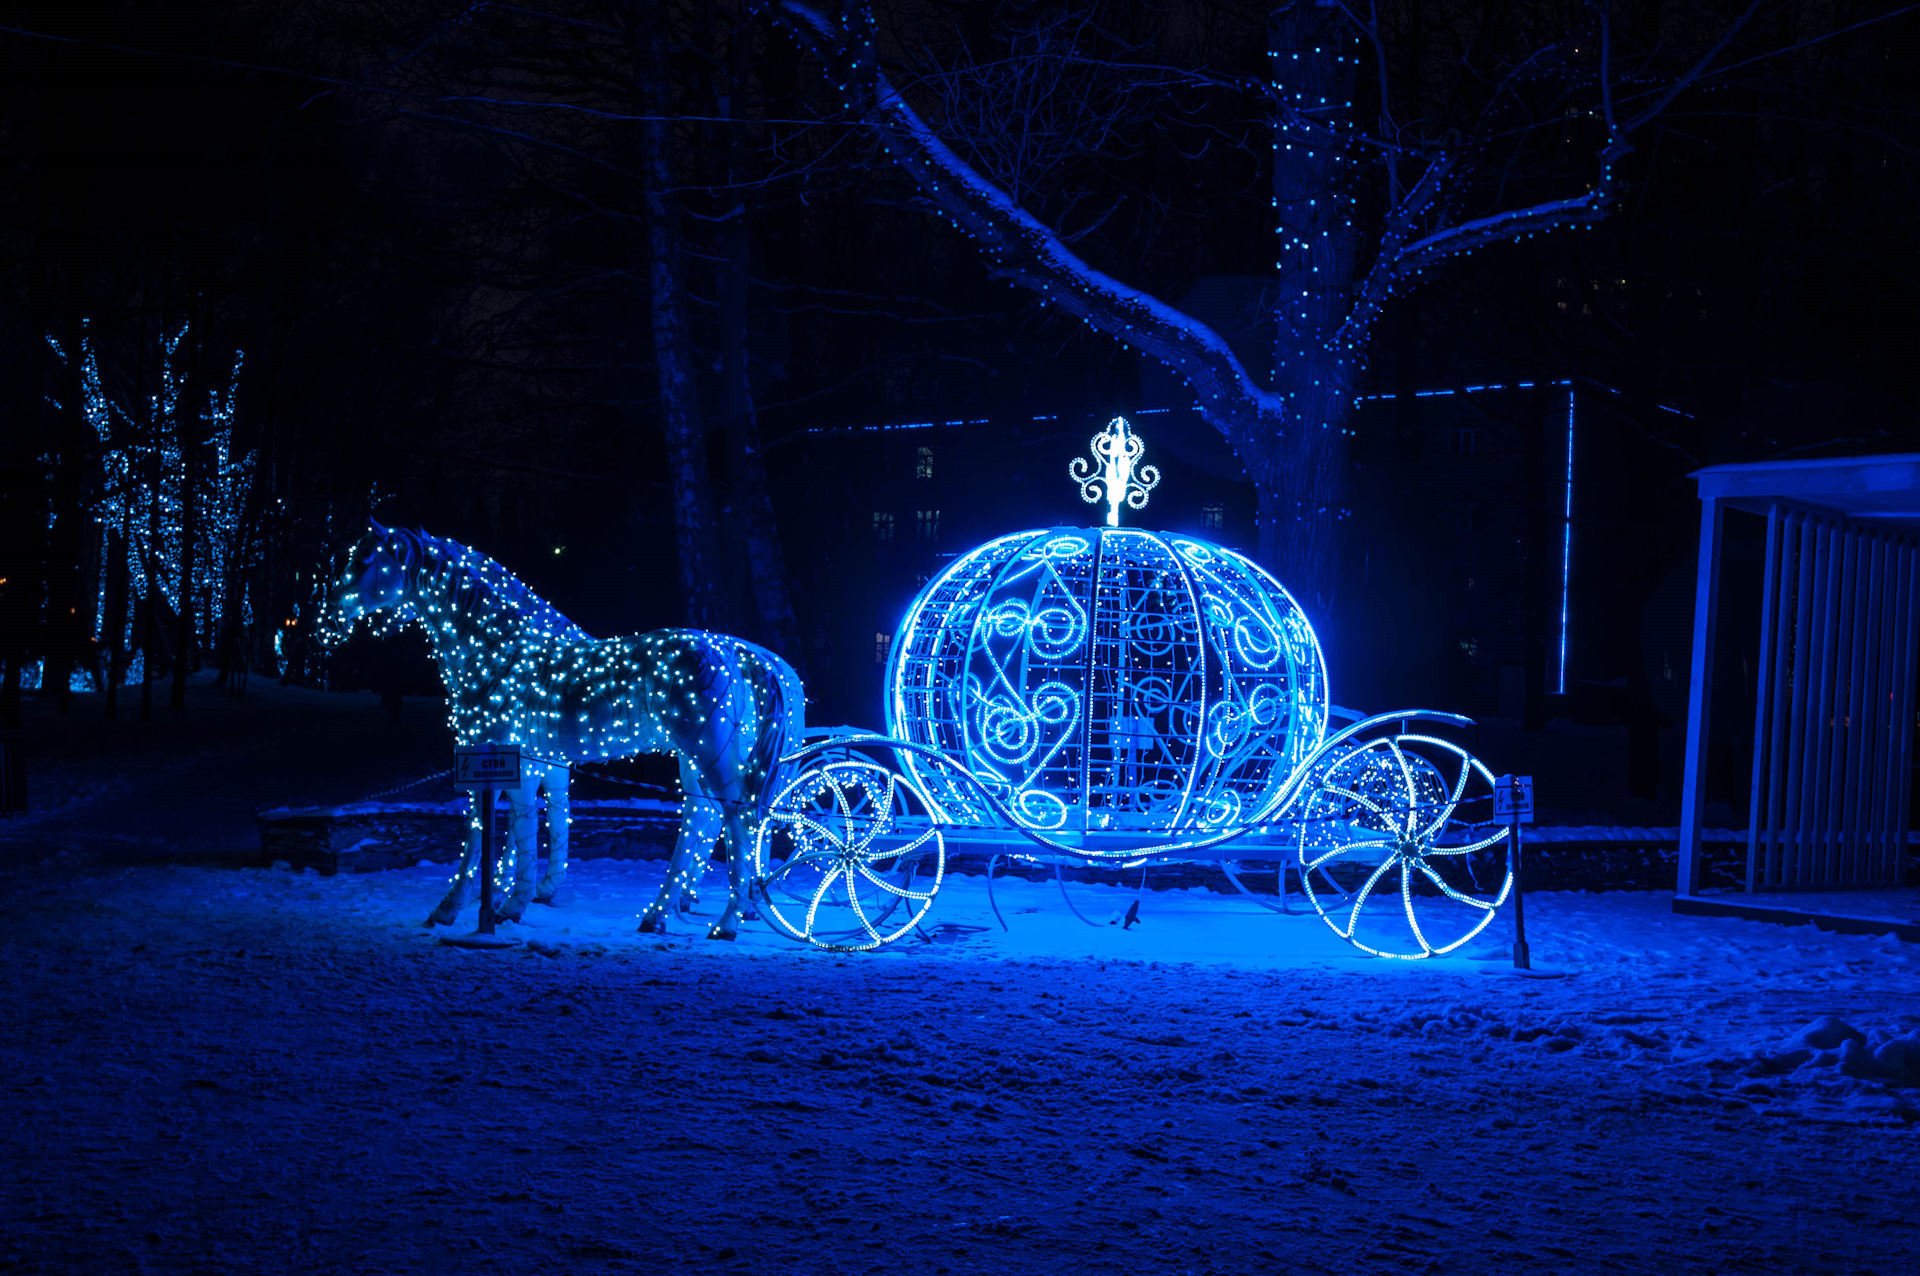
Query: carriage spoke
pixel 849 868
pixel 904 851
pixel 1351 796
pixel 1406 902
pixel 1412 789
pixel 1360 896
pixel 1455 895
pixel 900 892
pixel 1481 845
pixel 1344 848
pixel 1405 790
pixel 813 906
pixel 1469 766
pixel 821 832
pixel 853 897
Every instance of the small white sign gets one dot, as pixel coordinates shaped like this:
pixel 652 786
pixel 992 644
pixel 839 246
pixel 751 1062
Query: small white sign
pixel 1513 799
pixel 486 766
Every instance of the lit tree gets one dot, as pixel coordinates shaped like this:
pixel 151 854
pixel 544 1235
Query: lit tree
pixel 181 533
pixel 1369 193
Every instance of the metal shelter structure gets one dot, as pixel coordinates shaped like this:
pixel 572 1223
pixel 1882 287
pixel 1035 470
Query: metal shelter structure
pixel 1833 726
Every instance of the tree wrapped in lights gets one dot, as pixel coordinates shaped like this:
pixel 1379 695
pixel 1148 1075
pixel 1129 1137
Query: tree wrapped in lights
pixel 517 672
pixel 1362 208
pixel 164 450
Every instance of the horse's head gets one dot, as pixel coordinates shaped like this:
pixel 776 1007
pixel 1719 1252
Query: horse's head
pixel 376 576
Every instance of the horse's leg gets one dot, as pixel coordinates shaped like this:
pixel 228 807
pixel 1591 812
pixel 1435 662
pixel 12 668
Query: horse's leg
pixel 705 823
pixel 456 896
pixel 738 847
pixel 695 841
pixel 559 820
pixel 747 862
pixel 523 844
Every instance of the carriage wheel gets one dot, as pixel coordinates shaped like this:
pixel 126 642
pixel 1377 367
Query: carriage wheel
pixel 1388 855
pixel 848 857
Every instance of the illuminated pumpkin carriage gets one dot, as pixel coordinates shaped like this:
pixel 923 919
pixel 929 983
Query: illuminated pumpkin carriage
pixel 1117 697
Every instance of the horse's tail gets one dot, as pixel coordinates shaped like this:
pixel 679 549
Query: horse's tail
pixel 783 711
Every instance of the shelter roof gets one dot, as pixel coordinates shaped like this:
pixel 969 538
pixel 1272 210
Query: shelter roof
pixel 1876 489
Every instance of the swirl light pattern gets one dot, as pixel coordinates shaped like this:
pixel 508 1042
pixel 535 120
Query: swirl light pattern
pixel 1109 679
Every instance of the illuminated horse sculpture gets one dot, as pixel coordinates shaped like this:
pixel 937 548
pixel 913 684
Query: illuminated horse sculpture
pixel 518 672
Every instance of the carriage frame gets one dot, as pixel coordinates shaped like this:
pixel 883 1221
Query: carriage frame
pixel 1385 831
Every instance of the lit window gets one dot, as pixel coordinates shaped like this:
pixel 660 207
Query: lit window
pixel 1215 516
pixel 1464 442
pixel 882 526
pixel 1467 516
pixel 926 524
pixel 882 644
pixel 923 464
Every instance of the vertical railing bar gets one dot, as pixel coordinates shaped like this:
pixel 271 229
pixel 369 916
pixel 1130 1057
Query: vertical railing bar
pixel 1809 705
pixel 1762 692
pixel 1853 809
pixel 1809 831
pixel 1903 764
pixel 1796 721
pixel 1777 737
pixel 1890 678
pixel 1822 781
pixel 1887 597
pixel 1886 781
pixel 1836 780
pixel 1873 785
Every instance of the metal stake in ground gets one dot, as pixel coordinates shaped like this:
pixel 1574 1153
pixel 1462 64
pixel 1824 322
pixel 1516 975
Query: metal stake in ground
pixel 480 770
pixel 1513 802
pixel 489 812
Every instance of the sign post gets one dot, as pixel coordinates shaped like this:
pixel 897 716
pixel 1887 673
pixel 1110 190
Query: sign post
pixel 483 770
pixel 1513 802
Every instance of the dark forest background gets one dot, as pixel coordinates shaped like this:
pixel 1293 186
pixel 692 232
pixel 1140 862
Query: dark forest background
pixel 573 282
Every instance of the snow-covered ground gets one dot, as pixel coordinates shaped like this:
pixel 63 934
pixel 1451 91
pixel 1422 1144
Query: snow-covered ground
pixel 223 1069
pixel 232 1070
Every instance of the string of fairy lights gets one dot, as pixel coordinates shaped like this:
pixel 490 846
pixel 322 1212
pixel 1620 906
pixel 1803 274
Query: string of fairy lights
pixel 138 511
pixel 1331 294
pixel 518 672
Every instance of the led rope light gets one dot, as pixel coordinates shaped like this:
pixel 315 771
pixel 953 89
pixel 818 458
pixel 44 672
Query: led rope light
pixel 518 672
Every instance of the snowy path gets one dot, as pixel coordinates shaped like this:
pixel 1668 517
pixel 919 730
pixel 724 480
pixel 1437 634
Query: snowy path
pixel 241 1070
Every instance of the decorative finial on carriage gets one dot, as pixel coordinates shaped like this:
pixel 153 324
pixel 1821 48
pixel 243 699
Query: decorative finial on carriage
pixel 1110 477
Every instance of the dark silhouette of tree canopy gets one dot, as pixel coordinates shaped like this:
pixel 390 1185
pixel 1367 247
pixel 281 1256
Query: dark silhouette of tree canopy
pixel 1394 140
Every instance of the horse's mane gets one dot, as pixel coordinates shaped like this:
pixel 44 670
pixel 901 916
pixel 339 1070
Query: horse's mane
pixel 469 579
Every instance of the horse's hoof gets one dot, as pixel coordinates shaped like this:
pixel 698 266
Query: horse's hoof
pixel 437 918
pixel 653 925
pixel 715 932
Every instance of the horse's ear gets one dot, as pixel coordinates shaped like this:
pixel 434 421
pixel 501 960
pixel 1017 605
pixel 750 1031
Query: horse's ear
pixel 380 532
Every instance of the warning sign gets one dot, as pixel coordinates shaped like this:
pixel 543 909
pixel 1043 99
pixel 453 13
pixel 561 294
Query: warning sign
pixel 1513 799
pixel 486 766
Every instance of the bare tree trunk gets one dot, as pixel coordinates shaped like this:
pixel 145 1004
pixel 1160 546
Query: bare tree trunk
pixel 766 561
pixel 187 422
pixel 701 577
pixel 151 564
pixel 1290 430
pixel 113 625
pixel 1304 490
pixel 64 540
